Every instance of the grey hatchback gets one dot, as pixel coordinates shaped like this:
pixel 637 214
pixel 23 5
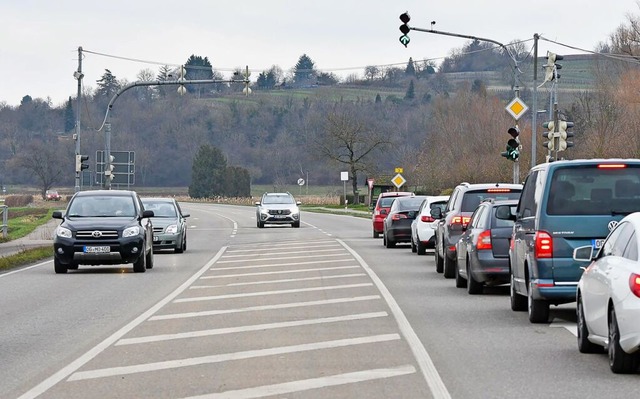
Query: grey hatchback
pixel 169 224
pixel 483 248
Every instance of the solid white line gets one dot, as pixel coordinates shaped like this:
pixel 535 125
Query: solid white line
pixel 305 251
pixel 313 262
pixel 288 280
pixel 256 327
pixel 25 268
pixel 278 292
pixel 263 307
pixel 317 269
pixel 96 350
pixel 194 361
pixel 289 243
pixel 328 244
pixel 431 375
pixel 311 383
pixel 278 258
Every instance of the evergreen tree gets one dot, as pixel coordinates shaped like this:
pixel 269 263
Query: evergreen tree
pixel 108 85
pixel 411 69
pixel 69 117
pixel 304 72
pixel 163 75
pixel 411 92
pixel 198 68
pixel 378 99
pixel 208 172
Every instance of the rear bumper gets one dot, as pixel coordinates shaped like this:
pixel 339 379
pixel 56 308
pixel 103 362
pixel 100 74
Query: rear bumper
pixel 554 293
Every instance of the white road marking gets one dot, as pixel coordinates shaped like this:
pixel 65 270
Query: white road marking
pixel 263 307
pixel 431 375
pixel 264 293
pixel 288 280
pixel 279 258
pixel 194 361
pixel 256 327
pixel 305 251
pixel 311 383
pixel 96 350
pixel 313 262
pixel 568 325
pixel 24 269
pixel 325 245
pixel 316 269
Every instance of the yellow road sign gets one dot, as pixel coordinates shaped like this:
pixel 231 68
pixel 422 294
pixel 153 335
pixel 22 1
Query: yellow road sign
pixel 398 180
pixel 517 108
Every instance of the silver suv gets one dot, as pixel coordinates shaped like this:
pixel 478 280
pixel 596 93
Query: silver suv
pixel 277 208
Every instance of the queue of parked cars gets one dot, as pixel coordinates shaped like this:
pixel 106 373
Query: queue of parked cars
pixel 570 233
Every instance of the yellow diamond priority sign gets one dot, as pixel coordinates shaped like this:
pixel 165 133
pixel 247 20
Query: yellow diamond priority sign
pixel 517 108
pixel 398 180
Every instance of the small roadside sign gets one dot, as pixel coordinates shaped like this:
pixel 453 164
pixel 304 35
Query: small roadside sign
pixel 398 180
pixel 370 183
pixel 517 108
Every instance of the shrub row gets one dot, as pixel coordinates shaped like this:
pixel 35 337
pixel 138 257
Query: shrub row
pixel 18 200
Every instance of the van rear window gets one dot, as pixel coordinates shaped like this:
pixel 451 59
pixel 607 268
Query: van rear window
pixel 472 199
pixel 591 190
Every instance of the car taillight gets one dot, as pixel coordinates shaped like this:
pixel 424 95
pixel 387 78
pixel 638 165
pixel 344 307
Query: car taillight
pixel 543 245
pixel 484 240
pixel 634 284
pixel 612 166
pixel 427 219
pixel 398 216
pixel 463 220
pixel 499 190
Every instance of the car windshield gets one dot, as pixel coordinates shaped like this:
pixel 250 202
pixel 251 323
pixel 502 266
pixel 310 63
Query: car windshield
pixel 472 199
pixel 162 209
pixel 386 202
pixel 277 199
pixel 410 204
pixel 591 190
pixel 102 206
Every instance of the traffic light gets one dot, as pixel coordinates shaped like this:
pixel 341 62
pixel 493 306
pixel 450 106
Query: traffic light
pixel 80 165
pixel 404 28
pixel 108 172
pixel 551 68
pixel 563 144
pixel 512 152
pixel 181 89
pixel 548 135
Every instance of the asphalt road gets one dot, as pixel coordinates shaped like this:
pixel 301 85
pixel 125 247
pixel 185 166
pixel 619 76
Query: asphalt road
pixel 323 311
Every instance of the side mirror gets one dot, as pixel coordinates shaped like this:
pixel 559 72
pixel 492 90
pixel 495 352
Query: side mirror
pixel 186 215
pixel 583 254
pixel 257 202
pixel 436 213
pixel 298 202
pixel 147 214
pixel 503 212
pixel 383 212
pixel 57 215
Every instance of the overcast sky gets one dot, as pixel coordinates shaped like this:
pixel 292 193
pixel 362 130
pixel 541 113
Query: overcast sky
pixel 39 39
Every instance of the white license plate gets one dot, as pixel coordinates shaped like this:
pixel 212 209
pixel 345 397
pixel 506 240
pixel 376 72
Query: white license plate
pixel 279 216
pixel 97 250
pixel 597 242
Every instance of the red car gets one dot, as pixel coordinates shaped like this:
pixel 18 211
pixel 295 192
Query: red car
pixel 52 195
pixel 382 209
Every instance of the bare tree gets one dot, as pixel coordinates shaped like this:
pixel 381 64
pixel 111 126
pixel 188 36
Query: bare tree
pixel 43 160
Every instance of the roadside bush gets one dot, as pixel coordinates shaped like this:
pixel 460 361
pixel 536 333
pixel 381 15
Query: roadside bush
pixel 14 201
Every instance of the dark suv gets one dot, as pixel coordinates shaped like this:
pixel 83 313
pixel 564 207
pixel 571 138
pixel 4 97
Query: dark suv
pixel 565 205
pixel 103 227
pixel 464 199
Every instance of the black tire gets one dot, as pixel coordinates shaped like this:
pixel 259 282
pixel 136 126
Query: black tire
pixel 474 287
pixel 150 259
pixel 620 361
pixel 58 267
pixel 414 249
pixel 295 224
pixel 389 243
pixel 584 345
pixel 449 267
pixel 538 309
pixel 518 302
pixel 460 282
pixel 439 262
pixel 421 248
pixel 376 234
pixel 184 244
pixel 140 265
pixel 180 248
pixel 260 224
pixel 72 266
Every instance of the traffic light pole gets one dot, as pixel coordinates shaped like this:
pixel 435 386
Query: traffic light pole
pixel 78 75
pixel 181 82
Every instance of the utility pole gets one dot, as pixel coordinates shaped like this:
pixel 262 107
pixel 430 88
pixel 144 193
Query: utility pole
pixel 534 99
pixel 78 75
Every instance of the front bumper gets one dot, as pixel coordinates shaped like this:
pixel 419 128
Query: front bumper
pixel 167 241
pixel 123 250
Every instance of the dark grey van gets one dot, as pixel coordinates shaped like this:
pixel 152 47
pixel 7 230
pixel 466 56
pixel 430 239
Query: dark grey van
pixel 565 205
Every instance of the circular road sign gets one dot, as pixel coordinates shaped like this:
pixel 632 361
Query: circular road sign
pixel 301 182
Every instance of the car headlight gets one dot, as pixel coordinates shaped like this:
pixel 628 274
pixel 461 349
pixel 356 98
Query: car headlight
pixel 63 232
pixel 131 231
pixel 172 229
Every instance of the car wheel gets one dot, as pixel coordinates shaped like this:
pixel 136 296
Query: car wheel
pixel 180 248
pixel 538 309
pixel 474 287
pixel 139 266
pixel 376 234
pixel 620 362
pixel 460 282
pixel 295 224
pixel 150 259
pixel 439 261
pixel 58 267
pixel 449 267
pixel 414 249
pixel 518 302
pixel 422 248
pixel 584 345
pixel 260 224
pixel 389 243
pixel 184 244
pixel 72 266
